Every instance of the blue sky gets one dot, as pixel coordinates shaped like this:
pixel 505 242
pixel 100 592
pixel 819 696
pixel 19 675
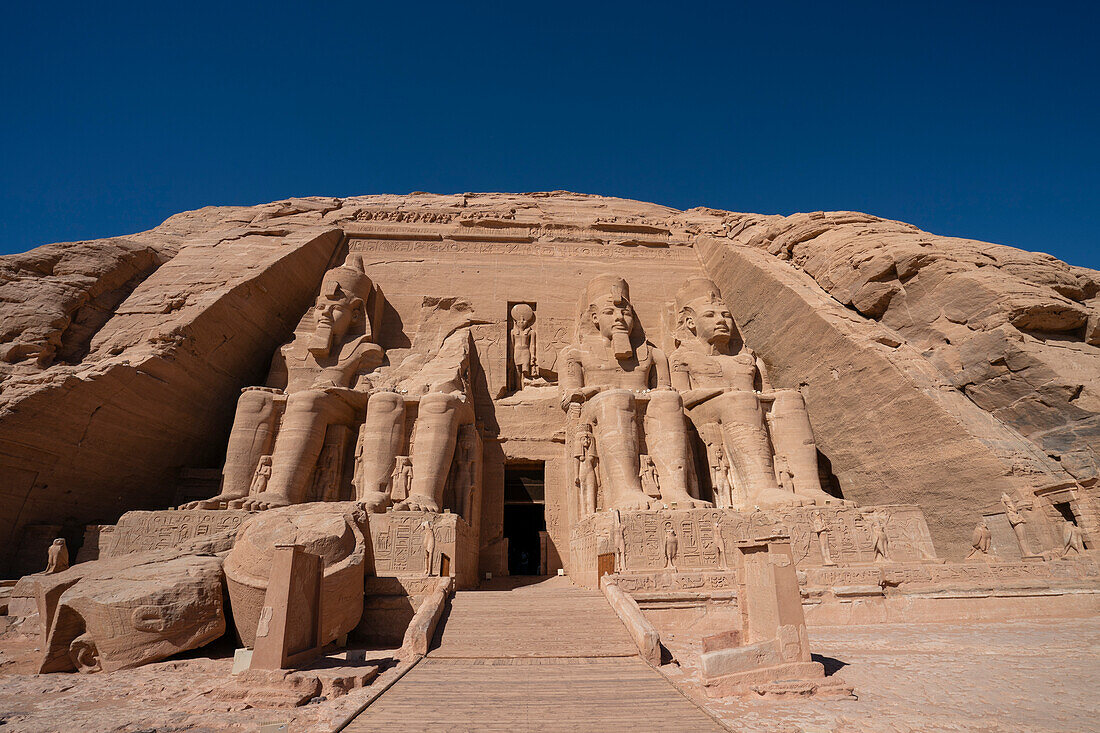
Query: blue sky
pixel 974 119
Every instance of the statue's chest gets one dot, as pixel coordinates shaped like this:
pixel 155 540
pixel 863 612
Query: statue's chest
pixel 629 374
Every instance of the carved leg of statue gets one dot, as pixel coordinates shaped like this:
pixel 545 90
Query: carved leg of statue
pixel 253 434
pixel 434 438
pixel 383 436
pixel 616 433
pixel 745 438
pixel 301 437
pixel 794 439
pixel 667 437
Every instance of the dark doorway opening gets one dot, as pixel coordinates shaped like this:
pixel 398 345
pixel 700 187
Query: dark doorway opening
pixel 524 517
pixel 1067 512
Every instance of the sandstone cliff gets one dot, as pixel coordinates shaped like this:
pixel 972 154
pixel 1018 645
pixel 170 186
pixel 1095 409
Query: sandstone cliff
pixel 937 371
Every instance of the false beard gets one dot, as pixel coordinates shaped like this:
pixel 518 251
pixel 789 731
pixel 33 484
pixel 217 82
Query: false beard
pixel 620 344
pixel 322 341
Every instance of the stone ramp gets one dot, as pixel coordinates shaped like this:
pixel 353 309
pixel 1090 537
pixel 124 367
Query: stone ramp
pixel 541 657
pixel 550 618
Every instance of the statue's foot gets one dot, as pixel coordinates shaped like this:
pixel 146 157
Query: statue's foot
pixel 212 503
pixel 418 503
pixel 375 502
pixel 633 501
pixel 266 500
pixel 683 500
pixel 778 497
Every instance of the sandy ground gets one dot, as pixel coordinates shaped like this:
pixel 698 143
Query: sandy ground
pixel 910 678
pixel 932 678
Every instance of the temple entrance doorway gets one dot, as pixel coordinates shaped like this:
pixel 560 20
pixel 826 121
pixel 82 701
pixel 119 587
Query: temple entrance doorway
pixel 525 517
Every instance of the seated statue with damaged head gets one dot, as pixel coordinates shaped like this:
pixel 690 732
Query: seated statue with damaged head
pixel 606 370
pixel 730 402
pixel 316 380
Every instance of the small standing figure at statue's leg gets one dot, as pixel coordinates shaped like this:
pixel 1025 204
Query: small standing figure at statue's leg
pixel 586 481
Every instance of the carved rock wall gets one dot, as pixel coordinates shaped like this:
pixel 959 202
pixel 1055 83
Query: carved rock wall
pixel 937 371
pixel 1015 331
pixel 892 425
pixel 83 443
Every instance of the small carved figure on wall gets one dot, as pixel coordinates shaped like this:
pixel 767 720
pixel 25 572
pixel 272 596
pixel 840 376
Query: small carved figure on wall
pixel 881 542
pixel 429 546
pixel 1016 519
pixel 1072 539
pixel 980 542
pixel 587 477
pixel 651 482
pixel 672 546
pixel 620 543
pixel 57 558
pixel 524 345
pixel 821 530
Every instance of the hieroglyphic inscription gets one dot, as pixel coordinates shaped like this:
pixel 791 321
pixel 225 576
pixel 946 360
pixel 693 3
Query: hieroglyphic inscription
pixel 397 539
pixel 143 531
pixel 700 582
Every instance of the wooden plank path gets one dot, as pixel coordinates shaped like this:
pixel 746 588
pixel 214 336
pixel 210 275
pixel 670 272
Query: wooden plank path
pixel 541 657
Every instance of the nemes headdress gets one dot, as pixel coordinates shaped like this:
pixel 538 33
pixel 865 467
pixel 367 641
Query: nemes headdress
pixel 695 290
pixel 601 286
pixel 349 280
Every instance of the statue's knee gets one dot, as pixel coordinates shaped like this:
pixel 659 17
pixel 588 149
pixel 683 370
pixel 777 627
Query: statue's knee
pixel 306 401
pixel 385 403
pixel 666 401
pixel 254 402
pixel 614 399
pixel 789 399
pixel 438 404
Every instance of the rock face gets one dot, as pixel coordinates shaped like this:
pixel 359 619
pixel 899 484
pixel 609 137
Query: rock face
pixel 934 371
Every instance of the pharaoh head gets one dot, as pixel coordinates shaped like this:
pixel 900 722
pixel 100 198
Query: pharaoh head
pixel 701 313
pixel 341 306
pixel 608 313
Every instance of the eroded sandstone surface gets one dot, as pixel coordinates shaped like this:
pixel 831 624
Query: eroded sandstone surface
pixel 935 371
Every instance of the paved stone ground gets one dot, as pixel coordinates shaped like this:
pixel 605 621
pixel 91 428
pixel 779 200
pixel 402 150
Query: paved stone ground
pixel 1015 677
pixel 542 657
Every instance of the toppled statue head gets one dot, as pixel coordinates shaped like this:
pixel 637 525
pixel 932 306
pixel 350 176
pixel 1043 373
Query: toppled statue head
pixel 341 305
pixel 701 313
pixel 607 312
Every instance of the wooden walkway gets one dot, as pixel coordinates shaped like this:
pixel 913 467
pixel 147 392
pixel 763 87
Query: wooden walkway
pixel 541 657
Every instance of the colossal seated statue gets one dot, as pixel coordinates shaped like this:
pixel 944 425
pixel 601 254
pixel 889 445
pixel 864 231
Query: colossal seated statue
pixel 726 395
pixel 608 370
pixel 435 381
pixel 316 380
